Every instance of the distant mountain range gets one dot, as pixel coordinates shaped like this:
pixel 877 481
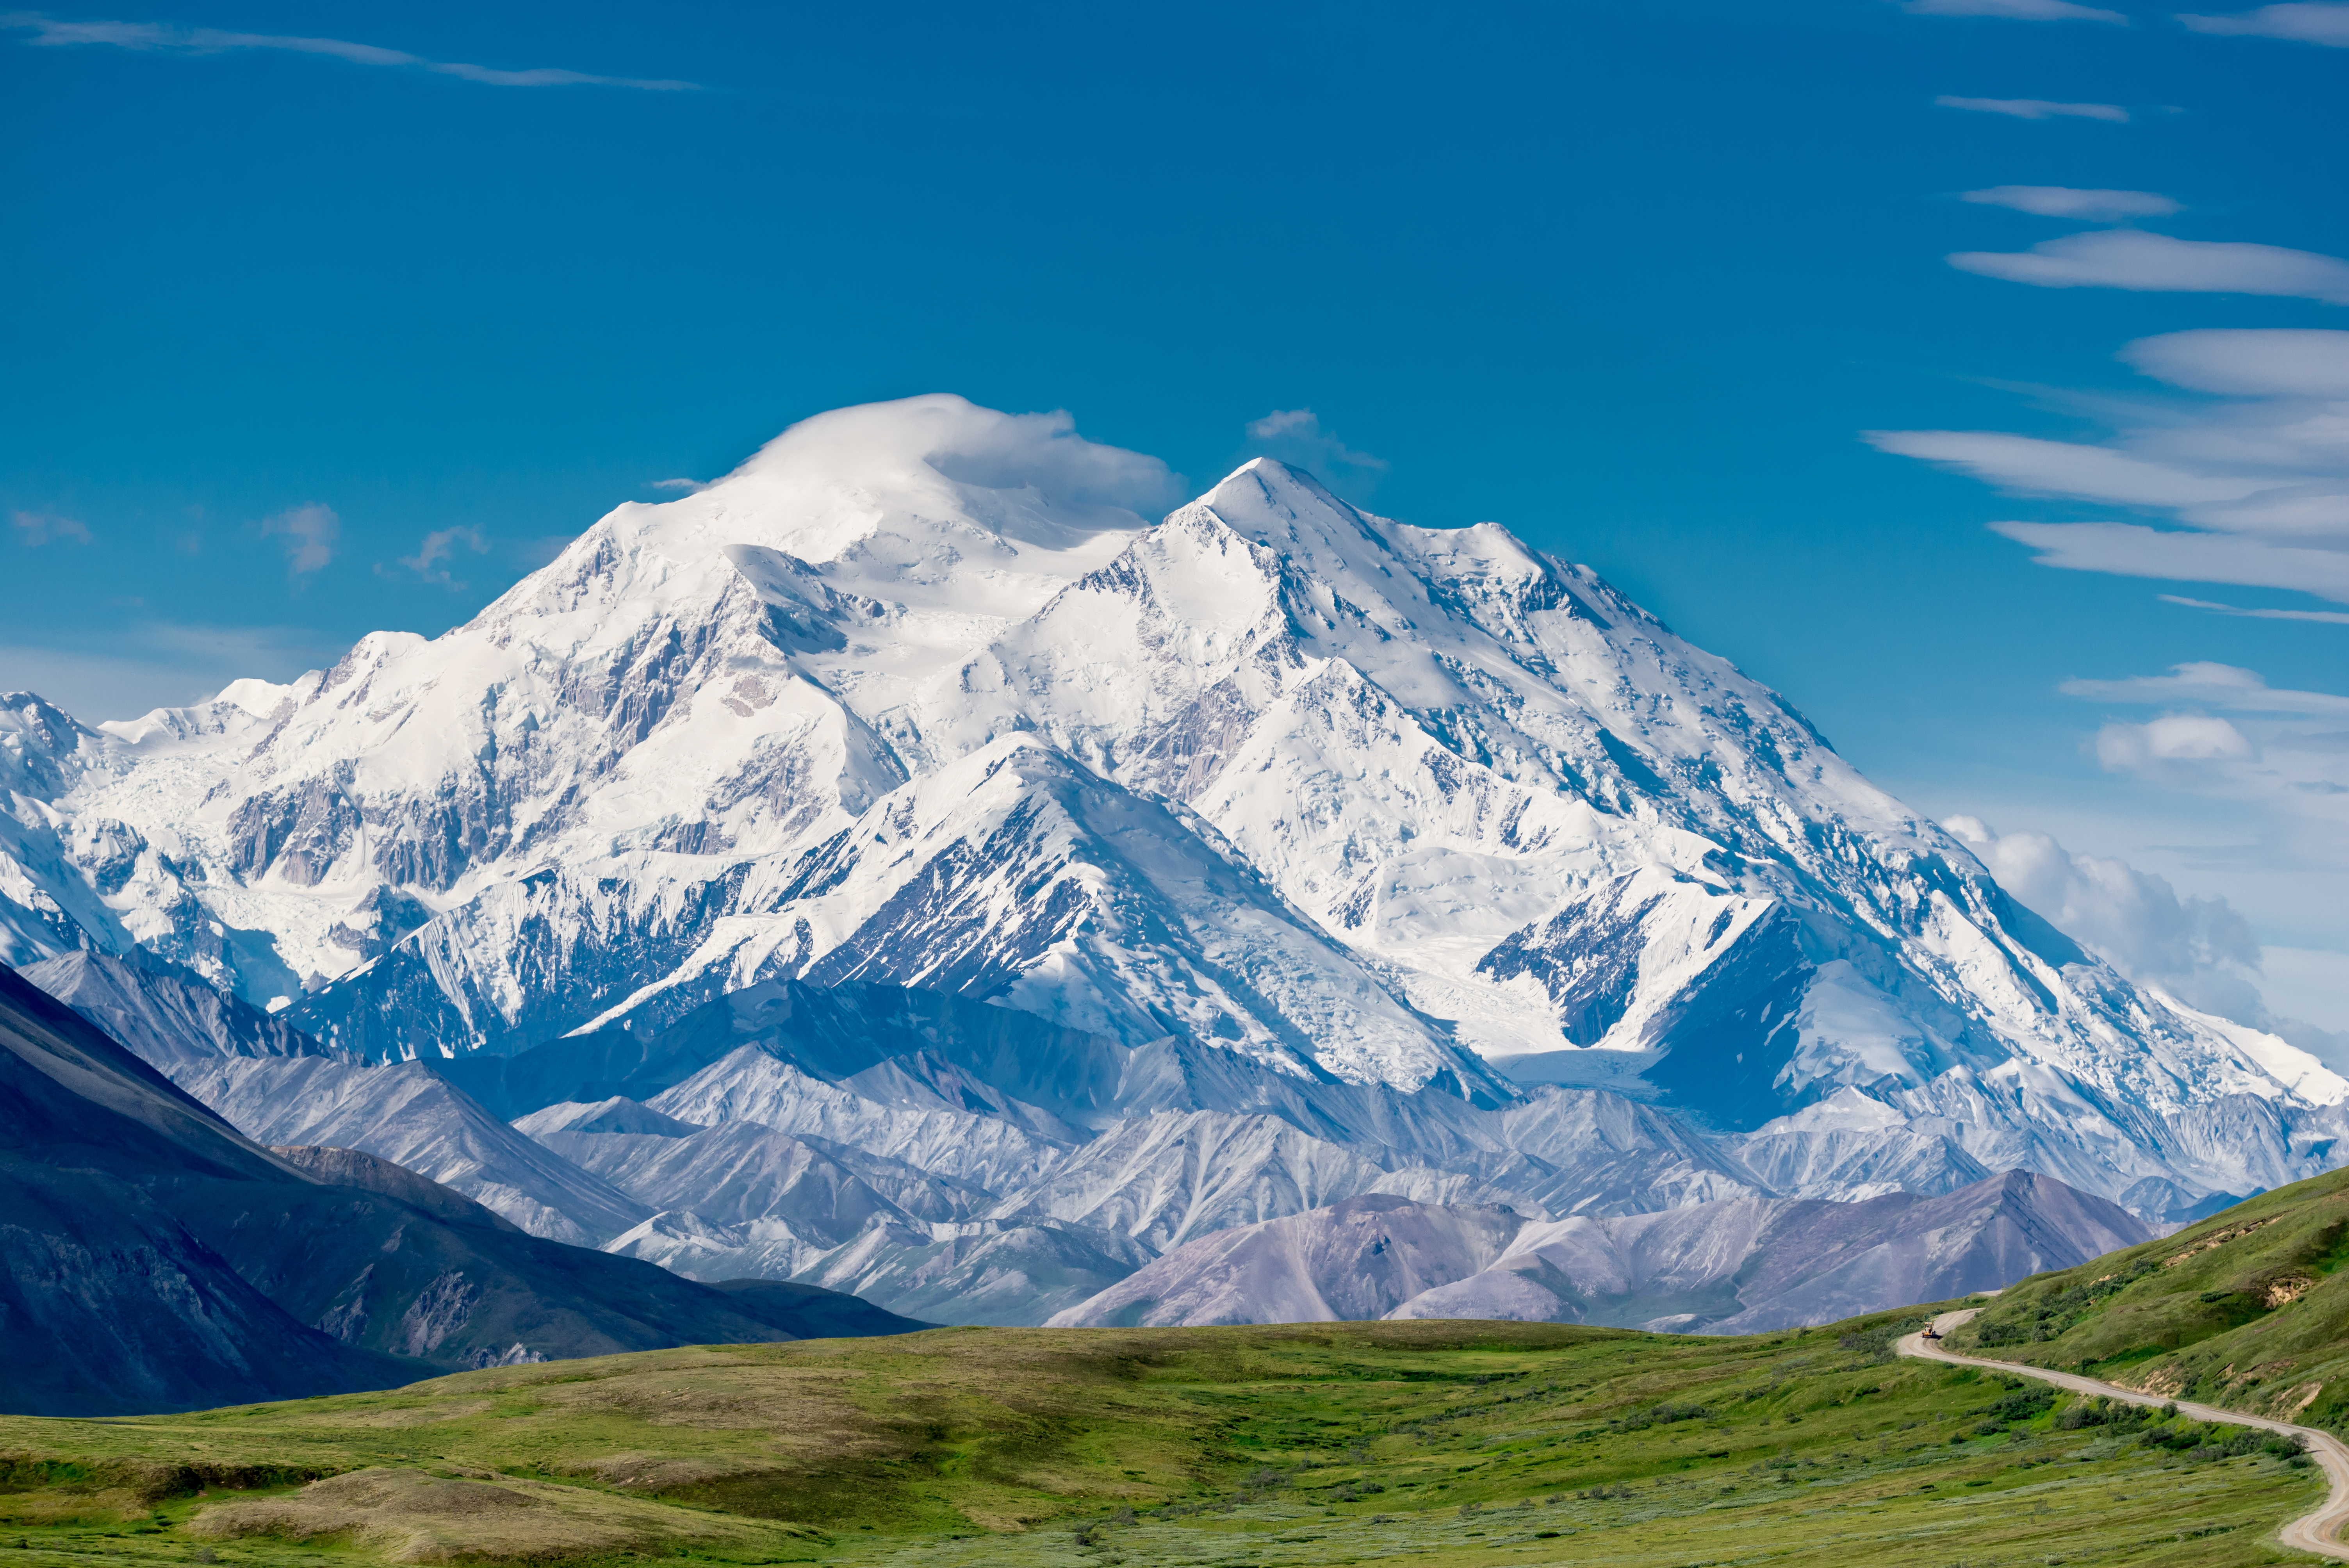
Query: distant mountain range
pixel 896 868
pixel 1737 1265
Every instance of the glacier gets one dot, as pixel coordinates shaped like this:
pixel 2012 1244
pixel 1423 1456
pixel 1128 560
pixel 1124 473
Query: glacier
pixel 912 700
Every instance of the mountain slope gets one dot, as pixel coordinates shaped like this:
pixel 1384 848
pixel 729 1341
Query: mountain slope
pixel 410 1116
pixel 166 1014
pixel 2248 1308
pixel 157 1259
pixel 1737 1265
pixel 112 1304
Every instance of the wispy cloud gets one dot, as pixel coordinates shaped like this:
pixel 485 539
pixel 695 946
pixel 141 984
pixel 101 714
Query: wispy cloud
pixel 2178 555
pixel 2036 108
pixel 683 485
pixel 2133 259
pixel 2013 10
pixel 438 548
pixel 158 37
pixel 2306 23
pixel 2063 201
pixel 2226 733
pixel 2202 684
pixel 40 527
pixel 2332 618
pixel 1296 436
pixel 2253 479
pixel 2036 467
pixel 310 534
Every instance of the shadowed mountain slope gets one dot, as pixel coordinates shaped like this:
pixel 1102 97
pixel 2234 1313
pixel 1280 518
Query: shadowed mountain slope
pixel 157 1259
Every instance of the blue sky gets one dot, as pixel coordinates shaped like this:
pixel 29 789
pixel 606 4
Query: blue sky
pixel 332 317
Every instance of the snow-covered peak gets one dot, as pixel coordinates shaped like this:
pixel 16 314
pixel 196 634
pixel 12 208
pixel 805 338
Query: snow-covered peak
pixel 929 503
pixel 918 694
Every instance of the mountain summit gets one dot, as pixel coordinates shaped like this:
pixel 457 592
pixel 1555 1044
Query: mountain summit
pixel 918 695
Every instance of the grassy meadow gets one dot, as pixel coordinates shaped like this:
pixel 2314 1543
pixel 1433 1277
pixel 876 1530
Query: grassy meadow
pixel 2249 1310
pixel 1442 1443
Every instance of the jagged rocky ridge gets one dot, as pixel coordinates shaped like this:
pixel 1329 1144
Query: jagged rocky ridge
pixel 909 699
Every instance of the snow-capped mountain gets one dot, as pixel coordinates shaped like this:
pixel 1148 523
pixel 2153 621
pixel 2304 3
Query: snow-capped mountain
pixel 908 699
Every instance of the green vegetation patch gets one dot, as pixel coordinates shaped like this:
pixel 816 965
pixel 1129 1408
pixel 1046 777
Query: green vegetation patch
pixel 1235 1447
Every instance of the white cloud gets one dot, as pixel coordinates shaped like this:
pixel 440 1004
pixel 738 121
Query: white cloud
pixel 2332 617
pixel 2064 201
pixel 438 548
pixel 2280 755
pixel 2173 737
pixel 2036 108
pixel 2200 950
pixel 2027 464
pixel 2301 24
pixel 2014 10
pixel 2209 684
pixel 1086 485
pixel 1295 435
pixel 49 32
pixel 2259 362
pixel 683 485
pixel 2256 474
pixel 159 664
pixel 37 528
pixel 2172 555
pixel 2133 259
pixel 310 533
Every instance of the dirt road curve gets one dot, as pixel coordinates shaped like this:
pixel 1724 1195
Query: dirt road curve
pixel 2318 1531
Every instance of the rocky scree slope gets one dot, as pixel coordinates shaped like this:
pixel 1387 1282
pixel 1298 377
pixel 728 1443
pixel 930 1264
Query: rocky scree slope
pixel 909 699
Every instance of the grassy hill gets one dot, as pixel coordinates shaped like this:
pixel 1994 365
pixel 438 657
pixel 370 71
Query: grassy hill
pixel 1443 1443
pixel 2248 1309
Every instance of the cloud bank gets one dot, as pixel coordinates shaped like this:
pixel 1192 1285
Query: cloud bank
pixel 2199 950
pixel 157 37
pixel 2221 732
